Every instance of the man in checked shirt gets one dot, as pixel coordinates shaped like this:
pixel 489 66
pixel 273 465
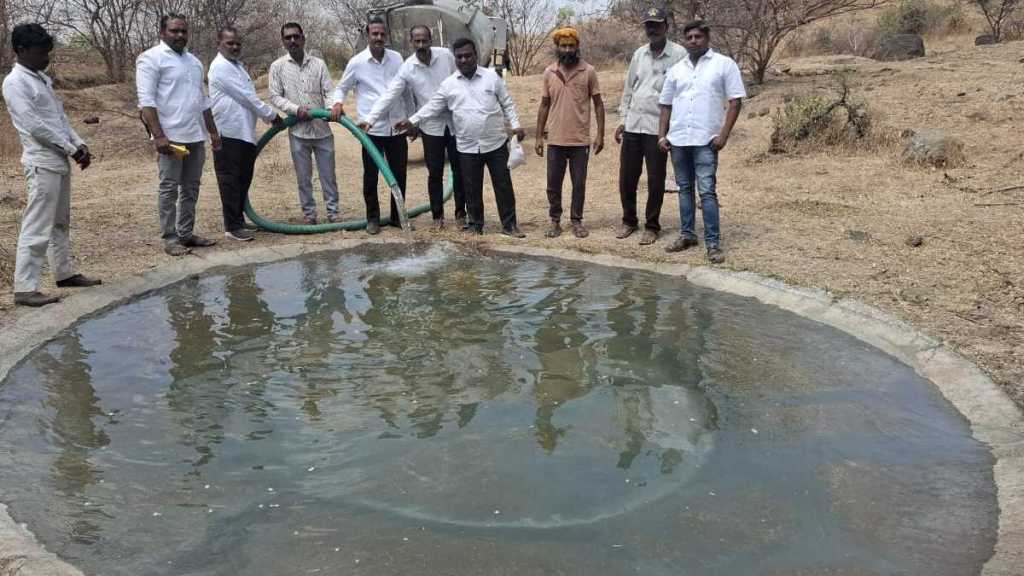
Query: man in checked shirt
pixel 298 83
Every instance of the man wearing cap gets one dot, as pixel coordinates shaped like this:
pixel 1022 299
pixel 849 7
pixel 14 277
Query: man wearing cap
pixel 48 142
pixel 700 102
pixel 638 133
pixel 569 86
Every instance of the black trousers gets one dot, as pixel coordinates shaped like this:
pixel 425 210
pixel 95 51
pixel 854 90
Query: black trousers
pixel 434 150
pixel 577 158
pixel 638 150
pixel 501 179
pixel 234 164
pixel 396 151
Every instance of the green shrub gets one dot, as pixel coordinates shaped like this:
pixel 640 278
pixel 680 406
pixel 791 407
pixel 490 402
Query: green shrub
pixel 921 17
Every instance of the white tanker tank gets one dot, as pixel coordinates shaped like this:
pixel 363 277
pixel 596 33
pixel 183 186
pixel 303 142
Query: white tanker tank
pixel 448 20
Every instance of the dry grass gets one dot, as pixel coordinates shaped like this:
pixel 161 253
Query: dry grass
pixel 832 218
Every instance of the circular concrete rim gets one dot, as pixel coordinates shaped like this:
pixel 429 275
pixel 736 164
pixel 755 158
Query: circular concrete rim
pixel 993 417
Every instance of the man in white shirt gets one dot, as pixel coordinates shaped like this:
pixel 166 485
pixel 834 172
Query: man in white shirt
pixel 420 76
pixel 369 73
pixel 700 102
pixel 176 112
pixel 638 133
pixel 235 108
pixel 480 105
pixel 47 141
pixel 299 82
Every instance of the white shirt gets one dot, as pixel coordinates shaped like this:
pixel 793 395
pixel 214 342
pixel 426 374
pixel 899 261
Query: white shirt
pixel 698 95
pixel 639 110
pixel 421 80
pixel 370 79
pixel 235 103
pixel 480 106
pixel 173 84
pixel 47 138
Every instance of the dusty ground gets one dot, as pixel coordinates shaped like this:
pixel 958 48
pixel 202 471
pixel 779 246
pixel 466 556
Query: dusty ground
pixel 829 219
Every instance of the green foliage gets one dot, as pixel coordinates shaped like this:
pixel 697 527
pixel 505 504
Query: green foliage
pixel 921 17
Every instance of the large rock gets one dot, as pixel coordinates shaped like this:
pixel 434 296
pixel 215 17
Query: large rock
pixel 933 148
pixel 984 40
pixel 899 47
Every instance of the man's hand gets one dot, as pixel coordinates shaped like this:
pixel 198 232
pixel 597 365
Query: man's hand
pixel 337 111
pixel 664 145
pixel 618 133
pixel 719 142
pixel 412 133
pixel 215 142
pixel 598 145
pixel 539 147
pixel 520 134
pixel 162 145
pixel 403 125
pixel 302 113
pixel 82 157
pixel 363 125
pixel 277 122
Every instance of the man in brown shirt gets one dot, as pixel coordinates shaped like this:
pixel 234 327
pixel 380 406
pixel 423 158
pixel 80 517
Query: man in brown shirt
pixel 570 84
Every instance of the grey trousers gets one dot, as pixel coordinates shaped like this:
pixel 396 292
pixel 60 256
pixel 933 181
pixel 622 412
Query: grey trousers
pixel 179 191
pixel 302 151
pixel 44 229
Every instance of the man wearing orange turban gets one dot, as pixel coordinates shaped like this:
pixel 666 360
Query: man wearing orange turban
pixel 570 85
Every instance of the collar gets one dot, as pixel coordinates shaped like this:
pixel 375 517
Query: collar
pixel 667 51
pixel 706 56
pixel 305 59
pixel 166 48
pixel 42 77
pixel 228 60
pixel 383 59
pixel 581 66
pixel 461 75
pixel 433 58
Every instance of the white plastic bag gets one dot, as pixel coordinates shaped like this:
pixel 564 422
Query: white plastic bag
pixel 516 156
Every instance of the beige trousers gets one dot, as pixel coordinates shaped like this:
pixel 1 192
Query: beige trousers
pixel 44 229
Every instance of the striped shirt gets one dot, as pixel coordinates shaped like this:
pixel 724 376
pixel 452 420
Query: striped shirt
pixel 292 85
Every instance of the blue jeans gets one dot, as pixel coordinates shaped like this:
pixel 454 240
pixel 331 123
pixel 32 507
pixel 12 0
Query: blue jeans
pixel 697 165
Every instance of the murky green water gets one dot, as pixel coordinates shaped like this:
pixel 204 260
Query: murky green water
pixel 451 413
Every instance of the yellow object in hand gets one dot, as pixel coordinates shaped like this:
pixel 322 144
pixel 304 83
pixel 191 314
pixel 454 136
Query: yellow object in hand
pixel 179 149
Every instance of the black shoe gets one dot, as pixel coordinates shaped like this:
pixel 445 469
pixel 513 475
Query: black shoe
pixel 250 226
pixel 715 255
pixel 476 230
pixel 513 232
pixel 196 241
pixel 372 227
pixel 460 223
pixel 175 249
pixel 78 281
pixel 34 299
pixel 681 243
pixel 242 235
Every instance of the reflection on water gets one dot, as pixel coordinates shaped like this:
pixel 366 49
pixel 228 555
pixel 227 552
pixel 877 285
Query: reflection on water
pixel 337 399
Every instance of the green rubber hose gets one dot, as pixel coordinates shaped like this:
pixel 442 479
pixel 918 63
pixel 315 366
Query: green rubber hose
pixel 378 159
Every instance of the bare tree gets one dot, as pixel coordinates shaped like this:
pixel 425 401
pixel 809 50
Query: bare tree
pixel 997 13
pixel 350 19
pixel 528 24
pixel 110 27
pixel 751 31
pixel 5 37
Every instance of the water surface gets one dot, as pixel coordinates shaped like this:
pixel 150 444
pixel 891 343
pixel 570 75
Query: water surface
pixel 436 412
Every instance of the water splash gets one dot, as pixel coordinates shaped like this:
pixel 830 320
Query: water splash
pixel 396 193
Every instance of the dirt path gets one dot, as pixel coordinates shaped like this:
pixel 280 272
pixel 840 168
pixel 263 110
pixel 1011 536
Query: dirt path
pixel 838 221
